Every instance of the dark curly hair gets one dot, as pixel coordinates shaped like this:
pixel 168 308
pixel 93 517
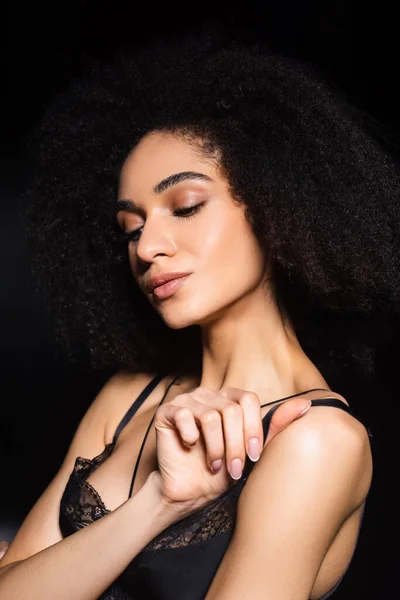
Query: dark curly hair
pixel 320 192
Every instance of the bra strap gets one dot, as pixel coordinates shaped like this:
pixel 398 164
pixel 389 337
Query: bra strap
pixel 267 421
pixel 294 395
pixel 137 404
pixel 146 434
pixel 335 402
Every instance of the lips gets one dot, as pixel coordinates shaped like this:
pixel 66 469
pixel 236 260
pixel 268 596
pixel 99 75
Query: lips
pixel 169 288
pixel 163 278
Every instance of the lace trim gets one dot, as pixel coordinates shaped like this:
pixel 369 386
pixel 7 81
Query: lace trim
pixel 96 494
pixel 114 592
pixel 81 505
pixel 86 463
pixel 215 518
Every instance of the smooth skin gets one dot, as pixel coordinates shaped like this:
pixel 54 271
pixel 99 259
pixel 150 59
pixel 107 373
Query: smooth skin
pixel 39 562
pixel 226 419
pixel 3 548
pixel 313 480
pixel 299 511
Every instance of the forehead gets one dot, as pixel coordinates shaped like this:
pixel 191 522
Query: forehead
pixel 157 156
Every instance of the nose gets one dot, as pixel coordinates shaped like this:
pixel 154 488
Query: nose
pixel 156 238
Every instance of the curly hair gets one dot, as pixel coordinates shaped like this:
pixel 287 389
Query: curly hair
pixel 321 194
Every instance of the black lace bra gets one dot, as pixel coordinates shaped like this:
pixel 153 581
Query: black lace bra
pixel 181 561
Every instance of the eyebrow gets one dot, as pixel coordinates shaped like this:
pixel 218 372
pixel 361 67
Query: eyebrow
pixel 164 185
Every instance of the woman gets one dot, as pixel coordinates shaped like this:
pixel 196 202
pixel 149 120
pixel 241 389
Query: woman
pixel 249 185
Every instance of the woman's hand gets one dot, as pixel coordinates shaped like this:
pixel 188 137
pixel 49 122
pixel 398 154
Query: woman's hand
pixel 202 427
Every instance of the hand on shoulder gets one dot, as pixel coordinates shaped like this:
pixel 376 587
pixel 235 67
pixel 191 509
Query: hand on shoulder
pixel 330 446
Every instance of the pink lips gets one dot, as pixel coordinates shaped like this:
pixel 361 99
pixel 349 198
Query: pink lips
pixel 167 289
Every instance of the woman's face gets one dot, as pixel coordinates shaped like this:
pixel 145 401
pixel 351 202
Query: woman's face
pixel 185 219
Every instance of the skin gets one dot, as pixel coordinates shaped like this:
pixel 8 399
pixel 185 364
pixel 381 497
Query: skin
pixel 245 343
pixel 247 346
pixel 307 527
pixel 3 548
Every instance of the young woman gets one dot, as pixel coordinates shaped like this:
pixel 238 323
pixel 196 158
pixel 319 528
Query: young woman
pixel 215 223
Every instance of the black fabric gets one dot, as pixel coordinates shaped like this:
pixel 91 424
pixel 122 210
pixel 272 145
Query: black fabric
pixel 180 562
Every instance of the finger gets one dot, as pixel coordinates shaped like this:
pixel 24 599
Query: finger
pixel 182 419
pixel 285 414
pixel 232 419
pixel 226 401
pixel 213 434
pixel 207 417
pixel 252 419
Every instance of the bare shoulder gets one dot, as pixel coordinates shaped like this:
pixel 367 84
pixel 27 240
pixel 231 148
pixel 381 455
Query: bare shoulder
pixel 331 421
pixel 110 399
pixel 40 528
pixel 124 387
pixel 300 497
pixel 329 440
pixel 333 426
pixel 119 393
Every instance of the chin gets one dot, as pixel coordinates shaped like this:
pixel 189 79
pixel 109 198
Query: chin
pixel 182 319
pixel 176 319
pixel 180 323
pixel 181 316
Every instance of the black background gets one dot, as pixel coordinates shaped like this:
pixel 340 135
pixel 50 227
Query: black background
pixel 43 396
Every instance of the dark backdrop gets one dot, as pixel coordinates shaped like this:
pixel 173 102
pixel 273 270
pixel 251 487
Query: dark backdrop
pixel 43 396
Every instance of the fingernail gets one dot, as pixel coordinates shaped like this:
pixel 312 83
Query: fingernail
pixel 216 465
pixel 236 468
pixel 253 448
pixel 306 408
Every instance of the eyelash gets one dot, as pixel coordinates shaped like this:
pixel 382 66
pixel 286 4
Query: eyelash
pixel 182 213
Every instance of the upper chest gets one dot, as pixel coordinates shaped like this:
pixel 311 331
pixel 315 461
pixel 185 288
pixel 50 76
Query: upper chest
pixel 134 456
pixel 111 480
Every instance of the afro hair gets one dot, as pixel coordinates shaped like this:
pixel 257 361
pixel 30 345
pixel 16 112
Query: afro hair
pixel 321 193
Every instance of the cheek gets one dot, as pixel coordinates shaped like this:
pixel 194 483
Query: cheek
pixel 232 253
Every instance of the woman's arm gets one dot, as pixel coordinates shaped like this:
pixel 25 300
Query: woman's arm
pixel 41 564
pixel 85 563
pixel 307 483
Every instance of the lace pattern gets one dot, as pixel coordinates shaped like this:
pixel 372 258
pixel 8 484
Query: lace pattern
pixel 81 505
pixel 114 592
pixel 215 518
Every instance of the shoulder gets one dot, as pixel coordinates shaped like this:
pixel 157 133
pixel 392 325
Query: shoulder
pixel 40 528
pixel 111 399
pixel 121 385
pixel 119 393
pixel 311 478
pixel 323 428
pixel 328 446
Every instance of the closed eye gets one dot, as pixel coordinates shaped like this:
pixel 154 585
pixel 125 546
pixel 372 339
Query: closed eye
pixel 181 213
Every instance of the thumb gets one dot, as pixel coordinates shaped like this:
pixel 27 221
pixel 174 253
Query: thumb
pixel 285 414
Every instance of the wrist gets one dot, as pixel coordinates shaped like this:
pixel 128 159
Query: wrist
pixel 172 509
pixel 161 507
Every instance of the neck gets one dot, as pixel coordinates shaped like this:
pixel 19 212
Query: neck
pixel 250 347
